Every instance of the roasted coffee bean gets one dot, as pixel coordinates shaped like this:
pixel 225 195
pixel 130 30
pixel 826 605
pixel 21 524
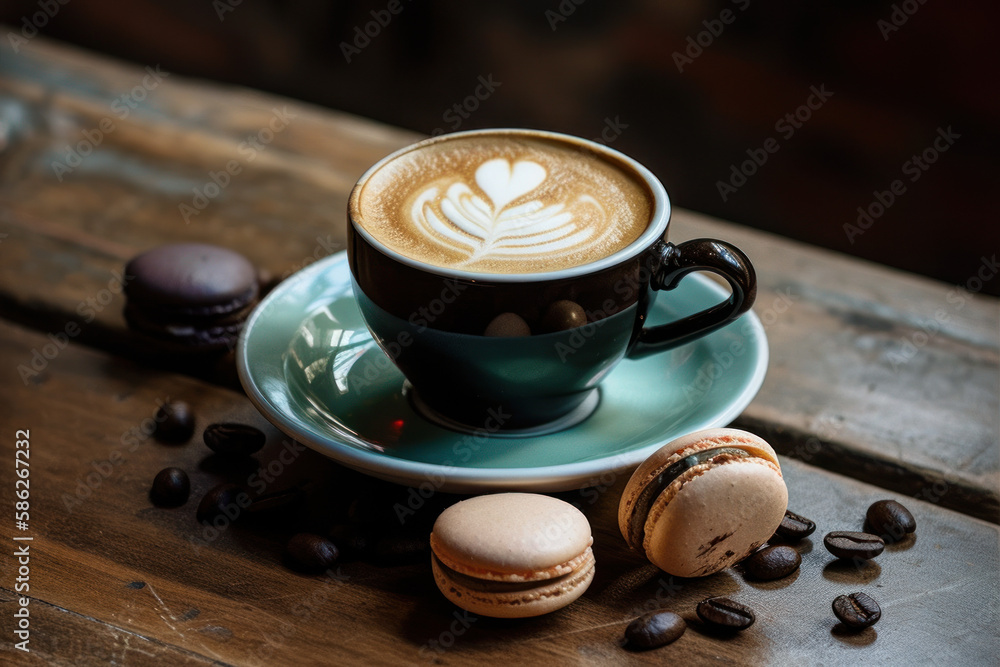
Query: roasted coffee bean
pixel 850 544
pixel 772 563
pixel 353 541
pixel 857 610
pixel 311 553
pixel 890 520
pixel 284 499
pixel 223 504
pixel 657 628
pixel 234 439
pixel 794 527
pixel 171 488
pixel 725 614
pixel 174 422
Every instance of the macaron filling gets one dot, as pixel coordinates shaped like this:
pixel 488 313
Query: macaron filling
pixel 517 587
pixel 496 574
pixel 512 599
pixel 644 502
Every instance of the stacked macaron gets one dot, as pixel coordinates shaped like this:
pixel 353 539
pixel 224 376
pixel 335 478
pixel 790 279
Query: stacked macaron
pixel 512 555
pixel 704 501
pixel 191 295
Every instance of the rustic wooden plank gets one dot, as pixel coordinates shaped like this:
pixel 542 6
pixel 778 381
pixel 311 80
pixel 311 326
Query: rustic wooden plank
pixel 89 85
pixel 65 638
pixel 131 572
pixel 874 373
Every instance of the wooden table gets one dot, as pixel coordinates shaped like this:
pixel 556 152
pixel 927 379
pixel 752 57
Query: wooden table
pixel 881 384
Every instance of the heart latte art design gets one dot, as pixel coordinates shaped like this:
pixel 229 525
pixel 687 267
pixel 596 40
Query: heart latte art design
pixel 491 221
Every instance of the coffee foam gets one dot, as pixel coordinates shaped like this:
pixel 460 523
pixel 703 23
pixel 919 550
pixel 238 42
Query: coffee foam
pixel 503 203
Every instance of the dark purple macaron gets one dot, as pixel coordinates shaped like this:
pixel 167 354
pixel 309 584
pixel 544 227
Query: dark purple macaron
pixel 191 294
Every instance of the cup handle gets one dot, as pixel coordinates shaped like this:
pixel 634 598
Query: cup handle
pixel 675 262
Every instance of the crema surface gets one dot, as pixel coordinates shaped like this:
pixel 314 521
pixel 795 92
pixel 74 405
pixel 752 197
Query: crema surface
pixel 502 203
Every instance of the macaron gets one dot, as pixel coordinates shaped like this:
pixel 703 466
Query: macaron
pixel 703 501
pixel 512 555
pixel 194 295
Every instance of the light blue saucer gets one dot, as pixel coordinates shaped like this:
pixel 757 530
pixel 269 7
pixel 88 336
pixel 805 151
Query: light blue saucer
pixel 310 366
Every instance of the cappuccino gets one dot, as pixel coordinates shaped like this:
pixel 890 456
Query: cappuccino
pixel 503 203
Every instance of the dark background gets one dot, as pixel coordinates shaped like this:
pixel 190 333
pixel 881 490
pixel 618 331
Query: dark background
pixel 588 67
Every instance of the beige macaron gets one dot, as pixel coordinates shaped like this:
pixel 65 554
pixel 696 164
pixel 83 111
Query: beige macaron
pixel 511 555
pixel 704 501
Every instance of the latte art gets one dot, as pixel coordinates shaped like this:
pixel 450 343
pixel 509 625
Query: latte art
pixel 502 204
pixel 493 228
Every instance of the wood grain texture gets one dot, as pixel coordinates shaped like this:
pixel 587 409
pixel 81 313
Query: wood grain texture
pixel 114 578
pixel 877 374
pixel 66 638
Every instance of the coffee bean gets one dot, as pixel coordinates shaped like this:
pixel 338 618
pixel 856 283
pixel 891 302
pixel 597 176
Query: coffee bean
pixel 850 544
pixel 772 563
pixel 794 527
pixel 657 628
pixel 174 422
pixel 890 519
pixel 563 315
pixel 353 541
pixel 225 501
pixel 507 325
pixel 724 613
pixel 284 499
pixel 857 610
pixel 311 553
pixel 171 488
pixel 234 439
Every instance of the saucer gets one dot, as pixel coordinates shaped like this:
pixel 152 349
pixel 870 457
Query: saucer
pixel 309 365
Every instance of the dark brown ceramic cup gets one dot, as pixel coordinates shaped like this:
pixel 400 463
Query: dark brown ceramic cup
pixel 434 321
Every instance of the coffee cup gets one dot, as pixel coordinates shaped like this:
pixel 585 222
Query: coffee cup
pixel 506 272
